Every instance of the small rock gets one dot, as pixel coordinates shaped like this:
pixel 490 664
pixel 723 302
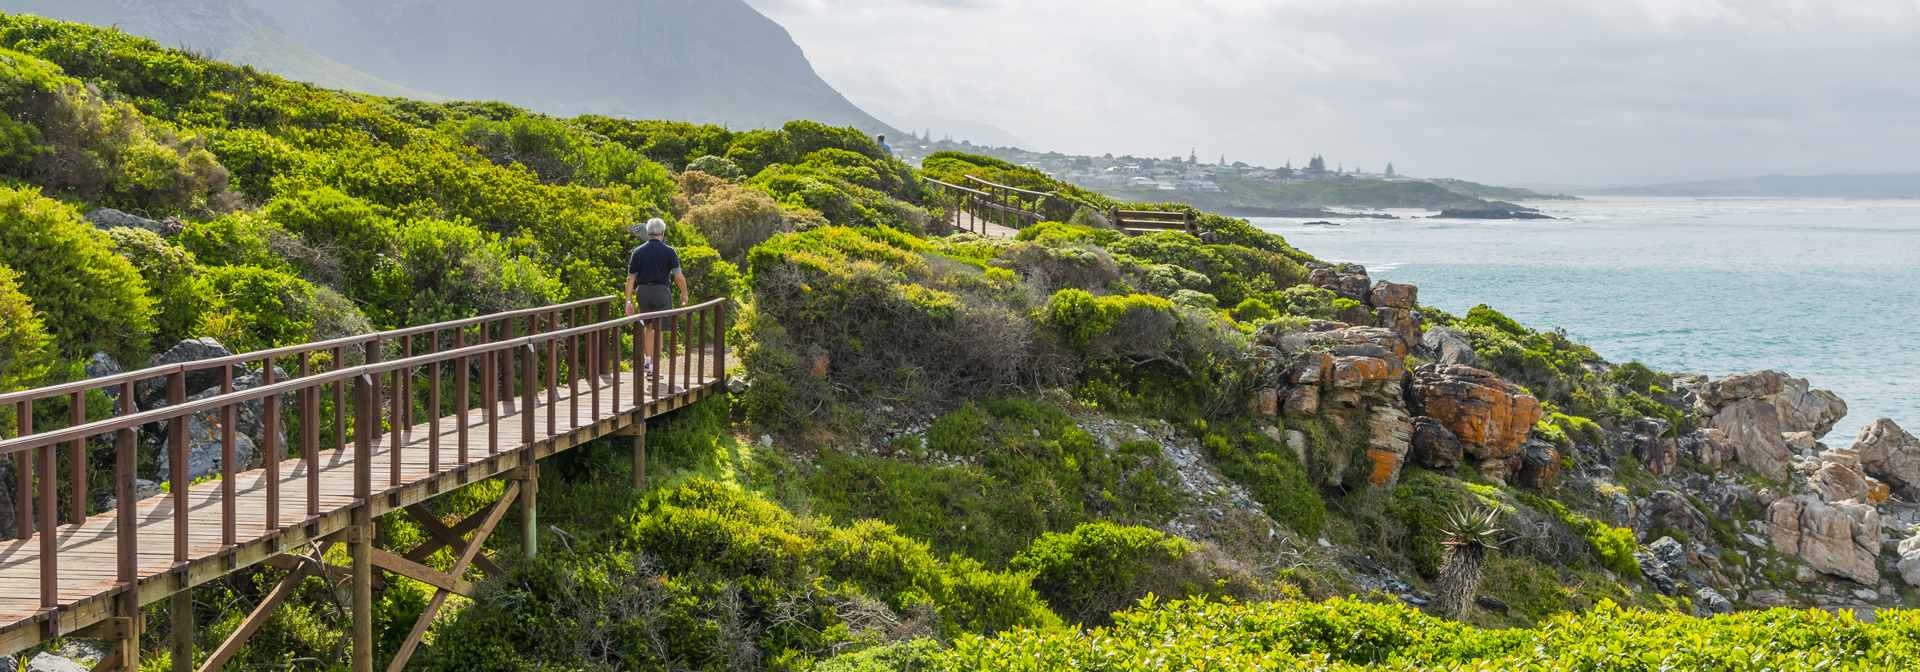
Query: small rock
pixel 766 441
pixel 1713 602
pixel 1491 604
pixel 1325 544
pixel 1866 594
pixel 47 662
pixel 108 218
pixel 1414 600
pixel 1805 574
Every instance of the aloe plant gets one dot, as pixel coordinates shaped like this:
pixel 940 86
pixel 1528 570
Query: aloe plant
pixel 1470 534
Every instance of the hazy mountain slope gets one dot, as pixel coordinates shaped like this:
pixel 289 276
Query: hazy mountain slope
pixel 233 30
pixel 712 61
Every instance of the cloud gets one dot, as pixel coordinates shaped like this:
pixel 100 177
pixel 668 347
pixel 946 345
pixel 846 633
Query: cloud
pixel 1499 90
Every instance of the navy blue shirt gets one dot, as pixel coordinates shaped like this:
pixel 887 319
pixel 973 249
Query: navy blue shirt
pixel 653 263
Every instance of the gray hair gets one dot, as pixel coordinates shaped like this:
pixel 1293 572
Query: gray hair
pixel 656 227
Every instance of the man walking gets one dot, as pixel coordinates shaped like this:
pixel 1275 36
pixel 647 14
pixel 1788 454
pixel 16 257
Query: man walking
pixel 649 268
pixel 882 140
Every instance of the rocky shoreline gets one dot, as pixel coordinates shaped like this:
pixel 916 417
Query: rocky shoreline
pixel 1767 515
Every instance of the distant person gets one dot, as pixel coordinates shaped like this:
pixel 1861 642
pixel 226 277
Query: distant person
pixel 649 268
pixel 882 139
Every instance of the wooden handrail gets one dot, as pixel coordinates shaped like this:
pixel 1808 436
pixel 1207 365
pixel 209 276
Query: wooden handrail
pixel 108 425
pixel 162 371
pixel 1029 192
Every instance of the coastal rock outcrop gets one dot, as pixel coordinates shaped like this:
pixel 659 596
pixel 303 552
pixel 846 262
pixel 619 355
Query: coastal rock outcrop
pixel 1447 346
pixel 1433 446
pixel 1889 453
pixel 1752 426
pixel 1707 447
pixel 1646 440
pixel 1797 408
pixel 1353 283
pixel 1539 465
pixel 1909 564
pixel 1840 538
pixel 1490 417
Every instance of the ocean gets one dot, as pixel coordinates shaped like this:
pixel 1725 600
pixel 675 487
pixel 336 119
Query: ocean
pixel 1827 290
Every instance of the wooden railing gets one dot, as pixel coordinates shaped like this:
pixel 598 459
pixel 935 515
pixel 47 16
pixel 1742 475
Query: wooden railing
pixel 594 342
pixel 991 203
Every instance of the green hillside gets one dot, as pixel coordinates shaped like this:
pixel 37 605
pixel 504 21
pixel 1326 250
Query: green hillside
pixel 1071 450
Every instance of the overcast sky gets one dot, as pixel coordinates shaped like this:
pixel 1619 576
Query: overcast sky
pixel 1500 91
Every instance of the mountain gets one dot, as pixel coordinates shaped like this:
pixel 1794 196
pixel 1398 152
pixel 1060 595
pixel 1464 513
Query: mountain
pixel 230 30
pixel 705 61
pixel 1838 185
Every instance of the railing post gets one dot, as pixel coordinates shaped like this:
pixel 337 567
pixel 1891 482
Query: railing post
pixel 489 392
pixel 528 376
pixel 274 452
pixel 463 392
pixel 433 406
pixel 49 477
pixel 126 530
pixel 77 464
pixel 310 435
pixel 366 415
pixel 228 509
pixel 23 471
pixel 127 535
pixel 720 342
pixel 177 466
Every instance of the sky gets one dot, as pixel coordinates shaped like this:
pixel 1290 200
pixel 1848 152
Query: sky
pixel 1498 91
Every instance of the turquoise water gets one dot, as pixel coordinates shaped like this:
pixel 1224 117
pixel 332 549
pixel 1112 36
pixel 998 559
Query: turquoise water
pixel 1825 290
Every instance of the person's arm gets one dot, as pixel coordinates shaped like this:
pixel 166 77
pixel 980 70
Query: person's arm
pixel 629 294
pixel 686 299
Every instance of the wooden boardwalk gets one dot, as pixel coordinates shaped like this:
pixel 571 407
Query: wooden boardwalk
pixel 966 221
pixel 92 579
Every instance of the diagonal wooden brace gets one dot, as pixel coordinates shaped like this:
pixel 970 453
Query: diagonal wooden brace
pixel 422 573
pixel 444 537
pixel 467 557
pixel 256 619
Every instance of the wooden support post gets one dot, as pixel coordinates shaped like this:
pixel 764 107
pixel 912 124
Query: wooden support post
pixel 529 510
pixel 449 537
pixel 366 410
pixel 640 455
pixel 181 609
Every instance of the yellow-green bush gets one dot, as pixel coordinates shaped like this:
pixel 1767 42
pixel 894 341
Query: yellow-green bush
pixel 91 299
pixel 734 219
pixel 1072 570
pixel 23 339
pixel 66 138
pixel 704 573
pixel 255 308
pixel 173 280
pixel 1345 635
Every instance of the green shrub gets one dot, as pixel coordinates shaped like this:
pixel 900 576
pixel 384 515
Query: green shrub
pixel 716 166
pixel 71 140
pixel 1613 547
pixel 452 270
pixel 673 143
pixel 734 219
pixel 1075 570
pixel 1079 317
pixel 1271 473
pixel 255 308
pixel 23 338
pixel 92 299
pixel 236 240
pixel 753 151
pixel 1029 471
pixel 1056 234
pixel 173 278
pixel 1253 310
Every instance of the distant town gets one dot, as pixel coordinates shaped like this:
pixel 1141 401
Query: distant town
pixel 1131 173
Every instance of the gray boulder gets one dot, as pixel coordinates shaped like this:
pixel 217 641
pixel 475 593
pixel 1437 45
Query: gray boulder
pixel 204 439
pixel 1890 454
pixel 152 392
pixel 1712 602
pixel 1909 564
pixel 108 218
pixel 1797 408
pixel 1447 345
pixel 1753 427
pixel 47 662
